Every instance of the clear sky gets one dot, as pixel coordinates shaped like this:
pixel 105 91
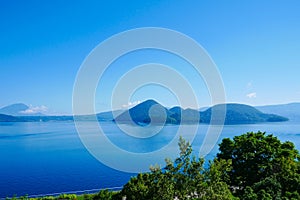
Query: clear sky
pixel 255 44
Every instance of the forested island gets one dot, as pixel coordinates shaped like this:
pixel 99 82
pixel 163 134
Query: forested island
pixel 153 112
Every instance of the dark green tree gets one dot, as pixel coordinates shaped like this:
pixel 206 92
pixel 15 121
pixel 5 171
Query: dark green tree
pixel 261 165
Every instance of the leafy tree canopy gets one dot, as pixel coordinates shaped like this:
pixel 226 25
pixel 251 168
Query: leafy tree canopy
pixel 262 166
pixel 183 178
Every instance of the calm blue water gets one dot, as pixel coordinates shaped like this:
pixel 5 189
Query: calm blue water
pixel 48 157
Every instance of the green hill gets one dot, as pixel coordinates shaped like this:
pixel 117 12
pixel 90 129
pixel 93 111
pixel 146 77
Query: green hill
pixel 151 111
pixel 239 114
pixel 291 110
pixel 144 113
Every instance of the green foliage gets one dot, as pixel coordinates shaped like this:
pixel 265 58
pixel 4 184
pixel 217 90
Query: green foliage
pixel 149 186
pixel 45 198
pixel 262 166
pixel 106 195
pixel 101 195
pixel 249 194
pixel 215 176
pixel 183 178
pixel 67 196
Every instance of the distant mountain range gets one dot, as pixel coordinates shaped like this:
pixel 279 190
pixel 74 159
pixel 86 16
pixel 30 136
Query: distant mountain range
pixel 291 110
pixel 240 114
pixel 152 112
pixel 18 109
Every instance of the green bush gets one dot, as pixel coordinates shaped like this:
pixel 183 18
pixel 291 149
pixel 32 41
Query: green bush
pixel 184 178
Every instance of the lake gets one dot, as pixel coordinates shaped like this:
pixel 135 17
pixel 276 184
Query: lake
pixel 49 157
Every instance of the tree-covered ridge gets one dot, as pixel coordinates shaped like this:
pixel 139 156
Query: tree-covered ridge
pixel 291 110
pixel 151 111
pixel 250 166
pixel 239 114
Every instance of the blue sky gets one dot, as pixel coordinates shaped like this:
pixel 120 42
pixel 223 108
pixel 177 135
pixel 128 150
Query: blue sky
pixel 255 44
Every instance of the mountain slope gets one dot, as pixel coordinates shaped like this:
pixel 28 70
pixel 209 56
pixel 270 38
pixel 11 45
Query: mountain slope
pixel 152 112
pixel 14 109
pixel 185 116
pixel 145 113
pixel 18 109
pixel 291 111
pixel 240 114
